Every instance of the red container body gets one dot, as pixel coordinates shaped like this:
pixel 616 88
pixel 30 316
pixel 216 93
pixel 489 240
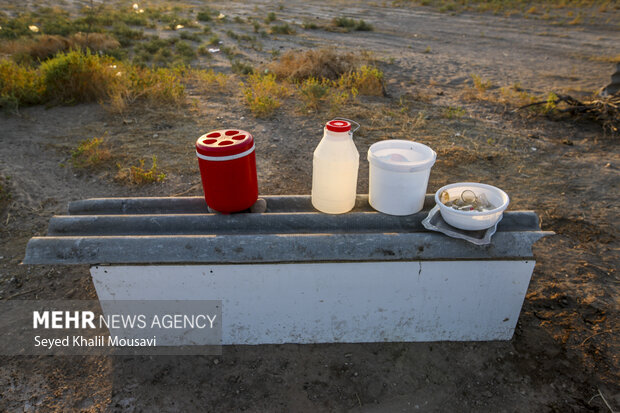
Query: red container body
pixel 228 170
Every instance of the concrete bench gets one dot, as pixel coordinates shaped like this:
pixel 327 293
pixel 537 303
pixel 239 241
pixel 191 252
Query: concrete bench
pixel 293 275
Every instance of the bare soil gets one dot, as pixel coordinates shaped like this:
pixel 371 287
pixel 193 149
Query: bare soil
pixel 566 345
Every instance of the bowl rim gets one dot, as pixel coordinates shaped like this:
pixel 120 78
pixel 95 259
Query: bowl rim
pixel 500 208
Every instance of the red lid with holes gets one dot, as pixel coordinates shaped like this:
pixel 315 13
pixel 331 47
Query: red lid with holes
pixel 224 142
pixel 338 126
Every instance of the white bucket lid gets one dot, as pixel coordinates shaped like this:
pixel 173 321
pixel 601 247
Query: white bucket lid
pixel 401 156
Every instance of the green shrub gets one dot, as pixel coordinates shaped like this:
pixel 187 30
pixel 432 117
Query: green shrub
pixel 262 94
pixel 126 35
pixel 79 77
pixel 367 80
pixel 89 154
pixel 453 112
pixel 214 40
pixel 186 51
pixel 313 91
pixel 19 85
pixel 349 24
pixel 138 175
pixel 204 16
pixel 193 36
pixel 282 29
pixel 271 16
pixel 241 68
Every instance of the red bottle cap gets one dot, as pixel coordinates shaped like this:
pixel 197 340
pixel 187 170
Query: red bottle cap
pixel 338 126
pixel 225 142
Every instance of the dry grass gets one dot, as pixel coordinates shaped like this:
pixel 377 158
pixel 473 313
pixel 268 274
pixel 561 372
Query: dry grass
pixel 45 46
pixel 159 87
pixel 318 63
pixel 478 90
pixel 607 59
pixel 209 81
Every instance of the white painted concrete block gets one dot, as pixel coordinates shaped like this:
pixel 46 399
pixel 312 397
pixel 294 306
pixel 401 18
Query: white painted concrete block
pixel 339 302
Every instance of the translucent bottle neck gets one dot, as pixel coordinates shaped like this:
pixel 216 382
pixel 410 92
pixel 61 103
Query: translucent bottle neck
pixel 337 135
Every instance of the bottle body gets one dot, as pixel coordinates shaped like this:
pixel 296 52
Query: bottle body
pixel 334 173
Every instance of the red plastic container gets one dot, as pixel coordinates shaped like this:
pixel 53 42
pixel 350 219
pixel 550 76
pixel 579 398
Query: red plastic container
pixel 228 169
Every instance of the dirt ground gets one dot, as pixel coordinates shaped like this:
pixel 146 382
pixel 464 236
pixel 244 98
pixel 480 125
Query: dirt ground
pixel 566 345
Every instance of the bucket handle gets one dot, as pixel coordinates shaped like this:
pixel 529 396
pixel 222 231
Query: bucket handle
pixel 352 121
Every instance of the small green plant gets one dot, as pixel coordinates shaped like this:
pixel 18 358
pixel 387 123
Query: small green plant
pixel 480 84
pixel 282 29
pixel 313 92
pixel 204 16
pixel 138 175
pixel 193 36
pixel 241 68
pixel 89 154
pixel 427 50
pixel 310 26
pixel 232 34
pixel 262 94
pixel 368 80
pixel 209 81
pixel 349 24
pixel 453 112
pixel 126 35
pixel 551 105
pixel 214 40
pixel 186 51
pixel 203 50
pixel 271 16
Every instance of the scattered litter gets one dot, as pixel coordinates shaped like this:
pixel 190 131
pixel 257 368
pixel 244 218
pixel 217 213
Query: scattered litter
pixel 135 6
pixel 214 50
pixel 33 28
pixel 221 16
pixel 534 149
pixel 179 26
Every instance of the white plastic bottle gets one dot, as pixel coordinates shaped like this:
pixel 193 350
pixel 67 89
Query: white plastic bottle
pixel 334 169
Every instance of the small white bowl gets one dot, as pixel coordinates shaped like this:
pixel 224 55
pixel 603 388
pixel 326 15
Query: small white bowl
pixel 473 220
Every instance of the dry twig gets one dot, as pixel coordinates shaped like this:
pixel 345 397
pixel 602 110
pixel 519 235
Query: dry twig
pixel 602 109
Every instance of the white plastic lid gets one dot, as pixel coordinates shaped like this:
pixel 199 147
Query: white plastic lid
pixel 401 156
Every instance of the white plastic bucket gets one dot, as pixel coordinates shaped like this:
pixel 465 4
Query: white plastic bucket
pixel 399 172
